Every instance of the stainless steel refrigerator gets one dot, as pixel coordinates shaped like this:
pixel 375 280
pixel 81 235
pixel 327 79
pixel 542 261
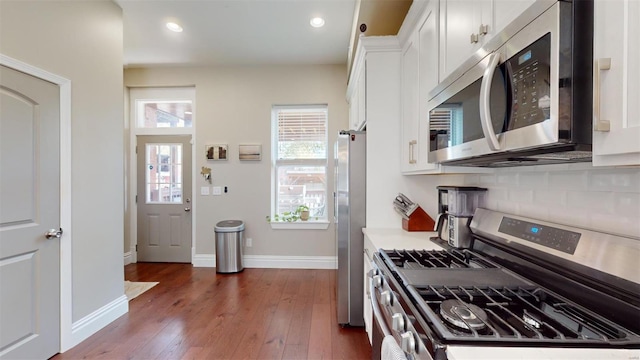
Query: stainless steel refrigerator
pixel 349 217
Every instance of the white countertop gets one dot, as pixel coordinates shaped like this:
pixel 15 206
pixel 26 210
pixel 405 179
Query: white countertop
pixel 390 239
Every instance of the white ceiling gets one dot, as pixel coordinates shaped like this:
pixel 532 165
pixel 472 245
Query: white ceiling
pixel 236 32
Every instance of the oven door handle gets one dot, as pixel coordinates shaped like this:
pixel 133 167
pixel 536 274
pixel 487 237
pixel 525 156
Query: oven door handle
pixel 485 102
pixel 377 314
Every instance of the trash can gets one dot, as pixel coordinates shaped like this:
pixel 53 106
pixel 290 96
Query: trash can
pixel 229 246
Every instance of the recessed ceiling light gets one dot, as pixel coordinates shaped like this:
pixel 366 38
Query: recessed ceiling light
pixel 188 112
pixel 317 22
pixel 174 27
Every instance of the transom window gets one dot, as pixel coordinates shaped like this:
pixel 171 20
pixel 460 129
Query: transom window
pixel 164 114
pixel 300 159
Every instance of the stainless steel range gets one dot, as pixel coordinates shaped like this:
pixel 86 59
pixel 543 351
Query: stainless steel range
pixel 525 289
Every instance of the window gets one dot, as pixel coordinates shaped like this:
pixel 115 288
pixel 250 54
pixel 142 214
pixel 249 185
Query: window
pixel 165 110
pixel 299 159
pixel 163 175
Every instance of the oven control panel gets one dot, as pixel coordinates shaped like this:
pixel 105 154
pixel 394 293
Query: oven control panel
pixel 551 237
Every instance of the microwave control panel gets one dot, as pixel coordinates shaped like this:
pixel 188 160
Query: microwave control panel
pixel 529 72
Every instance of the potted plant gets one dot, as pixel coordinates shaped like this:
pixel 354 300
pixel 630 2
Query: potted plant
pixel 300 213
pixel 303 210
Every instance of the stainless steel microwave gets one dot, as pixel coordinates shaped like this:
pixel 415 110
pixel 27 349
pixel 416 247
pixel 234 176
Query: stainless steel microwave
pixel 528 101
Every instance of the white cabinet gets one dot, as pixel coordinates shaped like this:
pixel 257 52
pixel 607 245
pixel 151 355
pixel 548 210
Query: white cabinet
pixel 357 97
pixel 616 138
pixel 419 75
pixel 367 310
pixel 466 25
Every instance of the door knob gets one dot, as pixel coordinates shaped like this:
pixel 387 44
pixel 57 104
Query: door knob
pixel 187 209
pixel 53 233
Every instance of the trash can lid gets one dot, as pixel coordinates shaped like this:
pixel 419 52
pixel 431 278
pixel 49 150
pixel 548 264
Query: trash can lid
pixel 229 226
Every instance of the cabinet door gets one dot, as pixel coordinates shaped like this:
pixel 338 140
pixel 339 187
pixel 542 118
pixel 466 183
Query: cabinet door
pixel 353 110
pixel 428 75
pixel 419 76
pixel 368 311
pixel 362 98
pixel 357 101
pixel 617 25
pixel 505 11
pixel 459 21
pixel 410 104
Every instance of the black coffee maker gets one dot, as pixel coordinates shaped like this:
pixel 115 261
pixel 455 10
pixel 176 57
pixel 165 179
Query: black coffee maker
pixel 456 206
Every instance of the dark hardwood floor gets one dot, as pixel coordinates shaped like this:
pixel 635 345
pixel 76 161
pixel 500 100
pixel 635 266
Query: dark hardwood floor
pixel 194 313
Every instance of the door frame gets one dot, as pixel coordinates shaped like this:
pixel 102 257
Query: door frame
pixel 131 171
pixel 66 294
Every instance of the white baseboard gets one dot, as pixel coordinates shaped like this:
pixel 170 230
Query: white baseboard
pixel 204 260
pixel 92 323
pixel 274 261
pixel 128 258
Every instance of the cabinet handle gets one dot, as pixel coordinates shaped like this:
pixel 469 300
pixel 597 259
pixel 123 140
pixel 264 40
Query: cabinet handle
pixel 474 38
pixel 412 159
pixel 484 29
pixel 598 123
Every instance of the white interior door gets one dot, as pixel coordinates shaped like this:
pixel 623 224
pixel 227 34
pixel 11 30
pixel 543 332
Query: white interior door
pixel 29 207
pixel 164 198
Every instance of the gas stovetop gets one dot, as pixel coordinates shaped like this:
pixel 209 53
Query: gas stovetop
pixel 467 298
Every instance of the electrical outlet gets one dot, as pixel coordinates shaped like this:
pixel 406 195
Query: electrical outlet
pixel 248 242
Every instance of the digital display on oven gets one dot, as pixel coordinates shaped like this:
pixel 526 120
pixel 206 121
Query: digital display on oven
pixel 534 229
pixel 551 237
pixel 524 57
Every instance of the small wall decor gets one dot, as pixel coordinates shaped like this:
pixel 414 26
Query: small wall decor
pixel 217 152
pixel 250 152
pixel 206 173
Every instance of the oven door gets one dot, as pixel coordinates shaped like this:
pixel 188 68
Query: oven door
pixel 509 101
pixel 391 320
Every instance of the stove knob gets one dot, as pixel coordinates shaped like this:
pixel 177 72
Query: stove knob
pixel 376 281
pixel 408 342
pixel 399 323
pixel 386 298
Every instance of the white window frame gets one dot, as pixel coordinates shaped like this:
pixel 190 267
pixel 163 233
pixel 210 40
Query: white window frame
pixel 320 224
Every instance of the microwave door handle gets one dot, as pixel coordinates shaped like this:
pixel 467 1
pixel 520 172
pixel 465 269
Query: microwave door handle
pixel 485 102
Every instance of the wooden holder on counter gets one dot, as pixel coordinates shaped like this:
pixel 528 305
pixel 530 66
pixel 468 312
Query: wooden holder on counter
pixel 418 220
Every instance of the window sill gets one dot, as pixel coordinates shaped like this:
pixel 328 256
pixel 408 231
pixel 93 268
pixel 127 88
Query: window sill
pixel 300 225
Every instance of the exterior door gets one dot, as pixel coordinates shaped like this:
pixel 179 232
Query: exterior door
pixel 29 207
pixel 164 198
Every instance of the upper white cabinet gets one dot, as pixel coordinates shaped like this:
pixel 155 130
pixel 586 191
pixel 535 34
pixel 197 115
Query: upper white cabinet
pixel 616 110
pixel 419 75
pixel 357 97
pixel 466 25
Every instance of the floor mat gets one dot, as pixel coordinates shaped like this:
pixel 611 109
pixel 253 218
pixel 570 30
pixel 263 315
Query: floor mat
pixel 133 289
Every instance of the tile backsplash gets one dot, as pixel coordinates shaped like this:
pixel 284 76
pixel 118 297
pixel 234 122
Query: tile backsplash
pixel 606 199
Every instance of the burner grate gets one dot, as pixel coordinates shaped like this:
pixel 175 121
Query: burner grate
pixel 425 259
pixel 527 314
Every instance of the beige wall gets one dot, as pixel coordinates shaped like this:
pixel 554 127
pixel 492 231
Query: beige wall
pixel 82 41
pixel 233 106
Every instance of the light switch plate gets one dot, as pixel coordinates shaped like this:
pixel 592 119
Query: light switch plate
pixel 217 190
pixel 204 190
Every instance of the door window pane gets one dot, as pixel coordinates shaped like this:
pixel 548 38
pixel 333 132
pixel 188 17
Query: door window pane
pixel 164 114
pixel 163 177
